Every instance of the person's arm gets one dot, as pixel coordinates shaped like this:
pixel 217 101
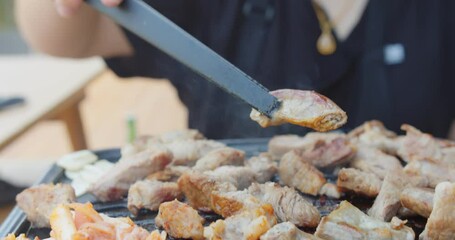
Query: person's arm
pixel 82 32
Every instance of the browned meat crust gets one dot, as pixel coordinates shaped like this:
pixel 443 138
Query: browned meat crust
pixel 115 183
pixel 375 161
pixel 304 108
pixel 418 200
pixel 363 183
pixel 287 231
pixel 180 220
pixel 295 172
pixel 220 157
pixel 149 194
pixel 38 201
pixel 288 205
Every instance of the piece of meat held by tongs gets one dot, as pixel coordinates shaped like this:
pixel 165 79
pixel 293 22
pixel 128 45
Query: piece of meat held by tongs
pixel 303 108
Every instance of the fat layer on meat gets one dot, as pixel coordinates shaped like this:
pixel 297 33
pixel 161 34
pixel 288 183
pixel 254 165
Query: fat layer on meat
pixel 375 161
pixel 38 201
pixel 349 223
pixel 441 223
pixel 198 187
pixel 287 231
pixel 287 204
pixel 434 172
pixel 241 177
pixel 330 190
pixel 263 166
pixel 296 172
pixel 304 108
pixel 115 183
pixel 187 152
pixel 180 220
pixel 246 225
pixel 418 200
pixel 220 157
pixel 387 203
pixel 363 183
pixel 149 194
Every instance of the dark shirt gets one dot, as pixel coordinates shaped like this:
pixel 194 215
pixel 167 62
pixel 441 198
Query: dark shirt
pixel 416 90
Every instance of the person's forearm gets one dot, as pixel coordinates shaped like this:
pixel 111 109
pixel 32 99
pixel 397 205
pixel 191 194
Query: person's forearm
pixel 84 34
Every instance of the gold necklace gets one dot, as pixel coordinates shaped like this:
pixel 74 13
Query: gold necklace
pixel 326 43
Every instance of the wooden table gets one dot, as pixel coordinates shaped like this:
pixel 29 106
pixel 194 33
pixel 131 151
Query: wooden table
pixel 52 88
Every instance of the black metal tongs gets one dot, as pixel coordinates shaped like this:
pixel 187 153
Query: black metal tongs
pixel 144 21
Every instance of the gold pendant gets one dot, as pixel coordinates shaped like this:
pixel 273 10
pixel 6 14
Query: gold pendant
pixel 326 43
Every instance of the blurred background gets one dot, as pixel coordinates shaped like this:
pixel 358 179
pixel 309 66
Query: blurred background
pixel 89 110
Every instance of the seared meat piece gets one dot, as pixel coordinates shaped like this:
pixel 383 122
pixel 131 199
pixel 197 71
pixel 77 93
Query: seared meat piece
pixel 418 200
pixel 38 201
pixel 169 174
pixel 304 108
pixel 187 152
pixel 150 194
pixel 287 231
pixel 220 157
pixel 441 223
pixel 198 188
pixel 330 190
pixel 387 202
pixel 263 166
pixel 240 177
pixel 295 172
pixel 227 204
pixel 434 172
pixel 319 149
pixel 281 144
pixel 363 183
pixel 373 134
pixel 177 135
pixel 180 220
pixel 418 146
pixel 375 161
pixel 405 213
pixel 349 223
pixel 288 205
pixel 115 183
pixel 246 225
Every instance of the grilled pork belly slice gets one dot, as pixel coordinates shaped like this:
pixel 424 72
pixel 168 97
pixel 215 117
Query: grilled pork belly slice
pixel 246 225
pixel 198 187
pixel 227 204
pixel 150 194
pixel 263 166
pixel 187 152
pixel 363 183
pixel 319 149
pixel 349 223
pixel 115 183
pixel 287 204
pixel 179 220
pixel 241 177
pixel 330 190
pixel 418 146
pixel 373 134
pixel 295 172
pixel 387 203
pixel 375 161
pixel 418 200
pixel 38 201
pixel 434 172
pixel 441 223
pixel 287 231
pixel 220 157
pixel 303 108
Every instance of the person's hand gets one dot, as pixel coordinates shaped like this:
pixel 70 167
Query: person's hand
pixel 67 8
